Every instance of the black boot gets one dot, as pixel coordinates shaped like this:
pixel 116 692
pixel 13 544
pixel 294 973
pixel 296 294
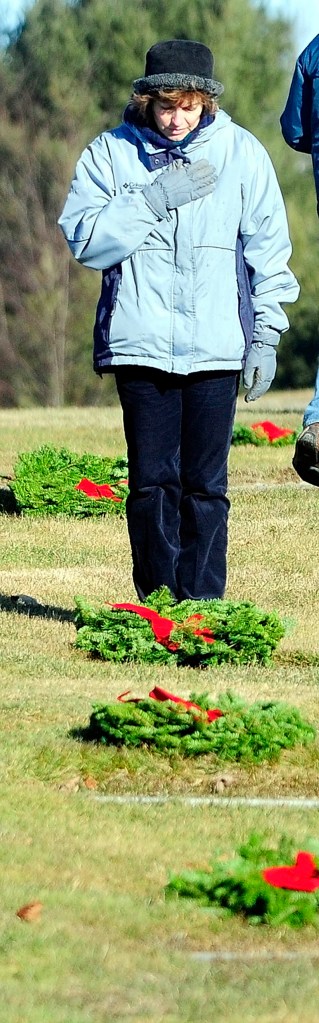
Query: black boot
pixel 306 456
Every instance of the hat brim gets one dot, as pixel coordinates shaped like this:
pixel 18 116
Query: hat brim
pixel 191 83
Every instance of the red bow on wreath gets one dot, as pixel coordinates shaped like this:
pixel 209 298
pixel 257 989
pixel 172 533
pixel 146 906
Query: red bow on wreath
pixel 161 694
pixel 162 627
pixel 302 876
pixel 272 431
pixel 96 490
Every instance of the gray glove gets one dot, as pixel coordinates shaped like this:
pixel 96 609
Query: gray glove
pixel 259 369
pixel 179 184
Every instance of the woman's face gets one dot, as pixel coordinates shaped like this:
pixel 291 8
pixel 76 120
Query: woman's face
pixel 176 122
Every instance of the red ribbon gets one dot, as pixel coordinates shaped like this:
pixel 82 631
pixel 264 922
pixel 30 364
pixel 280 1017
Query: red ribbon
pixel 96 490
pixel 272 431
pixel 162 627
pixel 161 695
pixel 205 633
pixel 302 876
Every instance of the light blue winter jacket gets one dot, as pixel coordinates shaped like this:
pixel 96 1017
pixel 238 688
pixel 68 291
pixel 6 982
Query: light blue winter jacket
pixel 170 296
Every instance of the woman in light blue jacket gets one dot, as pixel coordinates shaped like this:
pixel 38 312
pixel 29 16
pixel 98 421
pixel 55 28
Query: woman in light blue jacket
pixel 181 209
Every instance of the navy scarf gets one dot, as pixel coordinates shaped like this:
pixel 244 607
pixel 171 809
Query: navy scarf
pixel 170 148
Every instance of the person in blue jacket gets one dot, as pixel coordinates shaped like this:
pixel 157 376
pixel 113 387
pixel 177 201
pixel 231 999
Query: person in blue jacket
pixel 181 210
pixel 300 128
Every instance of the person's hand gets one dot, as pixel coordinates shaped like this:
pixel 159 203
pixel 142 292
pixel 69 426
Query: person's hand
pixel 259 369
pixel 178 184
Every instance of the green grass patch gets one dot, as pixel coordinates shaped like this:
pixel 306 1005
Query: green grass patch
pixel 108 944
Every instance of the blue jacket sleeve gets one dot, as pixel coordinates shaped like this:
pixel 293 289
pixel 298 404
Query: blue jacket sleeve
pixel 296 118
pixel 103 226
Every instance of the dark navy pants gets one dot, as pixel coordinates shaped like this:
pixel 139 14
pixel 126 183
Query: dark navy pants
pixel 178 431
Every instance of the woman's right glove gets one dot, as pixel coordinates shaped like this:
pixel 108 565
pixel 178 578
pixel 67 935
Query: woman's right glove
pixel 179 184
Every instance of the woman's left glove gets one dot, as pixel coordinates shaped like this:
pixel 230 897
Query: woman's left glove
pixel 259 369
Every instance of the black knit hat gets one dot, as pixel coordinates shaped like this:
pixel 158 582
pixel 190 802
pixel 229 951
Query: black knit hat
pixel 179 64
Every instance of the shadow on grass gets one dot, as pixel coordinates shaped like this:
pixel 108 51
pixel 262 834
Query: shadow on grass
pixel 29 606
pixel 8 503
pixel 86 733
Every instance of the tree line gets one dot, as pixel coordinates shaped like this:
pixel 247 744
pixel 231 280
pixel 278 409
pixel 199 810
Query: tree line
pixel 66 75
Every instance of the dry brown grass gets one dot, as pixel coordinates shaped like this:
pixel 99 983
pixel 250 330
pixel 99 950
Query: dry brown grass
pixel 107 945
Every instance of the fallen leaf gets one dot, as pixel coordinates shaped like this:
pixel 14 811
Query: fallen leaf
pixel 89 782
pixel 72 785
pixel 30 912
pixel 222 782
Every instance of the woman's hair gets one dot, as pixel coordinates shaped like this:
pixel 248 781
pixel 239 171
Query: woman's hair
pixel 143 104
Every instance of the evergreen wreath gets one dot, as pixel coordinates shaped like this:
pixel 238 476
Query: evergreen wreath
pixel 46 481
pixel 249 884
pixel 263 433
pixel 202 631
pixel 251 734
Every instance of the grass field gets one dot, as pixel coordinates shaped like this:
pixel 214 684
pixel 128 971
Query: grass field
pixel 106 945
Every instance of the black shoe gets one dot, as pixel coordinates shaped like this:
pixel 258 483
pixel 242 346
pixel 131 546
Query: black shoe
pixel 306 456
